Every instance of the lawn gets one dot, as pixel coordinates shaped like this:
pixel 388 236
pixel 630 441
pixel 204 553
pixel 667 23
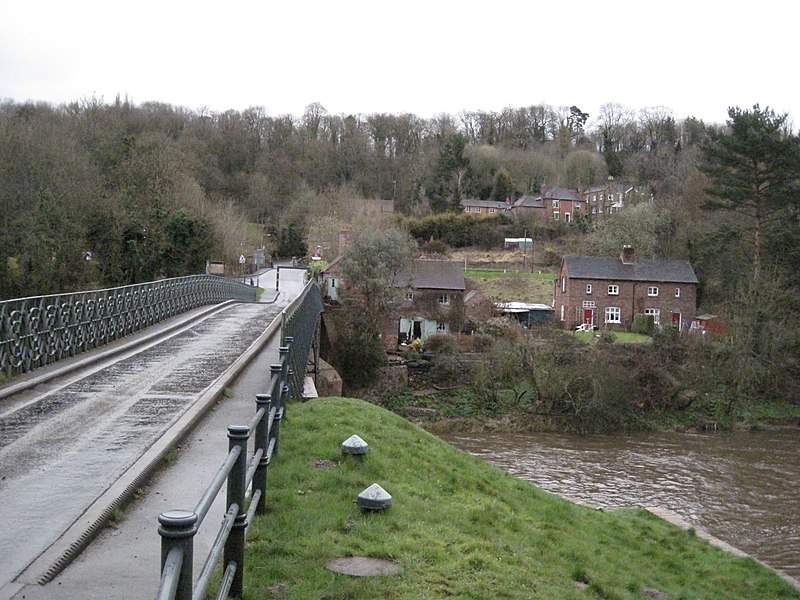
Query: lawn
pixel 622 337
pixel 459 527
pixel 510 286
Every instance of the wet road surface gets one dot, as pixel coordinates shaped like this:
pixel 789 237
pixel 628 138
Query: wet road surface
pixel 61 449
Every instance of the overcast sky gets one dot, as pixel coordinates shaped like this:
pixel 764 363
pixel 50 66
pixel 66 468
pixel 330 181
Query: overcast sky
pixel 696 58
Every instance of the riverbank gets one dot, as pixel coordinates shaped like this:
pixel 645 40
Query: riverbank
pixel 459 527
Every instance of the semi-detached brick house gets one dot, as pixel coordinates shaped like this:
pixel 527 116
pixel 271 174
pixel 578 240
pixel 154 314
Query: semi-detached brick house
pixel 607 292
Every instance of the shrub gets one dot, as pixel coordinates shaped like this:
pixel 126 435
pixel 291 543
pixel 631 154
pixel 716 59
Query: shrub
pixel 442 343
pixel 358 357
pixel 644 324
pixel 445 369
pixel 481 342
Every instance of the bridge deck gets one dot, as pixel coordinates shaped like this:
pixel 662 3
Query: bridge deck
pixel 66 452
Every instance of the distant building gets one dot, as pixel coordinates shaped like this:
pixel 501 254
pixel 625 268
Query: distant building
pixel 607 292
pixel 484 208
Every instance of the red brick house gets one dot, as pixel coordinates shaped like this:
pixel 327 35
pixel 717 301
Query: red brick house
pixel 556 204
pixel 432 303
pixel 484 208
pixel 606 293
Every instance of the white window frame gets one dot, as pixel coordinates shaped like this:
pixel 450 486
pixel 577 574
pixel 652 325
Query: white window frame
pixel 656 314
pixel 467 209
pixel 477 209
pixel 444 299
pixel 678 292
pixel 588 288
pixel 556 203
pixel 442 327
pixel 613 314
pixel 613 290
pixel 563 285
pixel 555 216
pixel 409 296
pixel 567 217
pixel 652 291
pixel 491 210
pixel 562 312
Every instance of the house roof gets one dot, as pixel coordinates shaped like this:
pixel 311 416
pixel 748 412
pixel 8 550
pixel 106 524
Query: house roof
pixel 558 193
pixel 435 274
pixel 595 267
pixel 485 203
pixel 529 202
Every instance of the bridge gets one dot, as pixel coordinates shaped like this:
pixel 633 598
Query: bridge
pixel 86 434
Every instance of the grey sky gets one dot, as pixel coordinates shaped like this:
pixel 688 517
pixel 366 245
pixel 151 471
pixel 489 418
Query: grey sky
pixel 696 58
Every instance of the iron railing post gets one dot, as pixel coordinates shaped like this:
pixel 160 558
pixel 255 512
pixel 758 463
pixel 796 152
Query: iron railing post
pixel 277 377
pixel 177 529
pixel 263 401
pixel 234 547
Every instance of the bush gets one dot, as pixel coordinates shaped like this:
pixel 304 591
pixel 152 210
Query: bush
pixel 442 343
pixel 445 369
pixel 359 355
pixel 481 342
pixel 644 324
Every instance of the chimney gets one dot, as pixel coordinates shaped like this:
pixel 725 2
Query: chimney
pixel 345 235
pixel 627 257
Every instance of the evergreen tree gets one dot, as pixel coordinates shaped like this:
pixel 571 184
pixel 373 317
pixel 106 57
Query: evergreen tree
pixel 754 167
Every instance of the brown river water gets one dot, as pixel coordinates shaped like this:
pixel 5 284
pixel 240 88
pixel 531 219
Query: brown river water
pixel 740 487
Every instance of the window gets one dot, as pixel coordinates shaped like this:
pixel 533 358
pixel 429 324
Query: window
pixel 613 290
pixel 652 291
pixel 613 314
pixel 409 296
pixel 491 210
pixel 477 209
pixel 333 282
pixel 556 203
pixel 444 298
pixel 442 327
pixel 677 292
pixel 562 312
pixel 588 288
pixel 555 216
pixel 655 312
pixel 563 284
pixel 567 217
pixel 467 209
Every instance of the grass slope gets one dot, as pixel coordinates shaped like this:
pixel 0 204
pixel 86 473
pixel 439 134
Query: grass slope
pixel 459 527
pixel 514 287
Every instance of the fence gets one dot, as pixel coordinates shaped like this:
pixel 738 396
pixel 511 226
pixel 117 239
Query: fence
pixel 178 527
pixel 40 330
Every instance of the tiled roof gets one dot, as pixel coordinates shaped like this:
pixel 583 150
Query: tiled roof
pixel 529 202
pixel 436 274
pixel 593 267
pixel 485 204
pixel 558 193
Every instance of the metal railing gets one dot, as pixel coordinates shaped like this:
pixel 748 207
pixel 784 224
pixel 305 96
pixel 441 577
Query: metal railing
pixel 178 527
pixel 41 330
pixel 303 310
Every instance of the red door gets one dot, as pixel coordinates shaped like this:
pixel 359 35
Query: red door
pixel 588 317
pixel 676 320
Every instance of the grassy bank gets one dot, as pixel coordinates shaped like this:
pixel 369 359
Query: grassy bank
pixel 502 286
pixel 459 528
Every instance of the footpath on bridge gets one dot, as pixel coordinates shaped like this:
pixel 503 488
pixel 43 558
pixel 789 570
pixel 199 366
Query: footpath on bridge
pixel 123 560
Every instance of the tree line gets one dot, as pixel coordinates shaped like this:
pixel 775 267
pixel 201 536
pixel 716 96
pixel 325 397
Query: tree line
pixel 101 194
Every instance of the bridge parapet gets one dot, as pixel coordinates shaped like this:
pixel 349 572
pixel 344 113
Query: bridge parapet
pixel 40 330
